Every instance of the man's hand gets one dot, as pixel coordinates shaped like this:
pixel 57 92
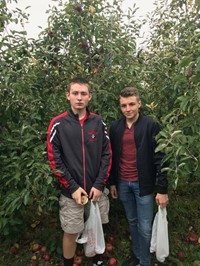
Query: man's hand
pixel 162 200
pixel 113 192
pixel 77 195
pixel 95 194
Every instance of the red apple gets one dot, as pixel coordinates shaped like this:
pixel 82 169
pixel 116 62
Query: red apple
pixel 192 237
pixel 43 249
pixel 189 73
pixel 84 45
pixel 78 8
pixel 46 257
pixel 180 254
pixel 109 247
pixel 50 34
pixel 78 260
pixel 13 250
pixel 110 239
pixel 112 262
pixel 35 247
pixel 30 263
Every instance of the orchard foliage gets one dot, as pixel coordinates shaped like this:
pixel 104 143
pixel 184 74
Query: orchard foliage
pixel 97 40
pixel 171 70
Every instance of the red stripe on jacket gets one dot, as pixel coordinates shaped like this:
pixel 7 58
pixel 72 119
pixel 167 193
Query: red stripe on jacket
pixel 50 155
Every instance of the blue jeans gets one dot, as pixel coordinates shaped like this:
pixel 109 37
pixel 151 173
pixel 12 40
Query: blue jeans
pixel 139 213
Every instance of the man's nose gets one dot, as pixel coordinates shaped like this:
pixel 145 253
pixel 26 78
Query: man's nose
pixel 79 96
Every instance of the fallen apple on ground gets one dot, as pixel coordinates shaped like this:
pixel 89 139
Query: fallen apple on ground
pixel 47 257
pixel 43 249
pixel 110 239
pixel 109 247
pixel 33 258
pixel 35 247
pixel 112 262
pixel 181 254
pixel 192 237
pixel 78 260
pixel 13 250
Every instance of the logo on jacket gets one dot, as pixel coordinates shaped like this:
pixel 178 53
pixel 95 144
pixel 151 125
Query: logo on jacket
pixel 92 135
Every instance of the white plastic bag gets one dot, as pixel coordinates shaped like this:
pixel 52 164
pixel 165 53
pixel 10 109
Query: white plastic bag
pixel 92 236
pixel 159 238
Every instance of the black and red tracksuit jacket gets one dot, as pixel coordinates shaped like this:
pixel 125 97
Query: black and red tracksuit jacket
pixel 79 155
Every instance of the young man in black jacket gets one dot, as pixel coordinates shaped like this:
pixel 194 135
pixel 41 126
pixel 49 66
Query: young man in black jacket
pixel 136 172
pixel 79 151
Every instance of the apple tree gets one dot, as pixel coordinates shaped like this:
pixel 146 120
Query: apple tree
pixel 171 77
pixel 87 38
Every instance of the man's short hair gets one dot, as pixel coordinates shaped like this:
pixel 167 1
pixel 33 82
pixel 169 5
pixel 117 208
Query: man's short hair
pixel 80 81
pixel 129 91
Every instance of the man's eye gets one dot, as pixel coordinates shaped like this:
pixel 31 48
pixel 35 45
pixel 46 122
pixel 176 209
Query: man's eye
pixel 131 104
pixel 123 105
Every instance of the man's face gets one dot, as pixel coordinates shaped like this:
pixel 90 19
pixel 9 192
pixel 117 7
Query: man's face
pixel 130 107
pixel 79 96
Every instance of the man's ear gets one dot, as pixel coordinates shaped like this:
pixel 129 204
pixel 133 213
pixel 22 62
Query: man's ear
pixel 67 95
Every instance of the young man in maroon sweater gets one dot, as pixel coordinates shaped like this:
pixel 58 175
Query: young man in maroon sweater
pixel 136 173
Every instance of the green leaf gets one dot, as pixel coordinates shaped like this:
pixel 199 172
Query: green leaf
pixel 26 198
pixel 186 60
pixel 49 180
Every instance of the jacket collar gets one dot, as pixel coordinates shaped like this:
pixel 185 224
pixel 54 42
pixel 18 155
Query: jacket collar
pixel 76 115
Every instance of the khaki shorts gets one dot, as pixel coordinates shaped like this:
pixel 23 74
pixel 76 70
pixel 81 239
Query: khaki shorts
pixel 73 215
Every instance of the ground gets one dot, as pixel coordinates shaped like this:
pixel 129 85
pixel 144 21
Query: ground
pixel 40 242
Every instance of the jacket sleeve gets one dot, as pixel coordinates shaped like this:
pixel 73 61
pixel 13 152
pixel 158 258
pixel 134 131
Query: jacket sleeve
pixel 106 160
pixel 161 179
pixel 112 177
pixel 54 151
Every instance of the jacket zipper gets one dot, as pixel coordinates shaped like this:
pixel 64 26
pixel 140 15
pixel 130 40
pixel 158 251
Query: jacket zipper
pixel 83 153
